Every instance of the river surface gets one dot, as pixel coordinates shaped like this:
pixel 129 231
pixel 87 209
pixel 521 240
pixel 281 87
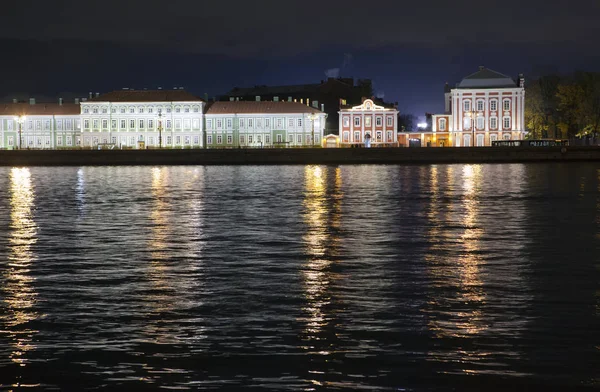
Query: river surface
pixel 473 277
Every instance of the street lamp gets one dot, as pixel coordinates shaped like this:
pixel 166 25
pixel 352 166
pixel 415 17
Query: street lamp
pixel 313 117
pixel 473 127
pixel 159 128
pixel 20 120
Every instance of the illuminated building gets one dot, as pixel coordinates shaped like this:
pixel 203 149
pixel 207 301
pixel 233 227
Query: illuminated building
pixel 143 118
pixel 263 124
pixel 44 125
pixel 484 107
pixel 368 124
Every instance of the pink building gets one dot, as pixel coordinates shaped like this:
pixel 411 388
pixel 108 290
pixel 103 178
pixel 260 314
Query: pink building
pixel 368 125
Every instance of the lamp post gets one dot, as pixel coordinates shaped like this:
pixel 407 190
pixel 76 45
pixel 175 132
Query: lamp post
pixel 20 120
pixel 473 126
pixel 159 128
pixel 313 117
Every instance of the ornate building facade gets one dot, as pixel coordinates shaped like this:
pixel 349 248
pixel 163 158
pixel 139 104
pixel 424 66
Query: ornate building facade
pixel 368 125
pixel 484 107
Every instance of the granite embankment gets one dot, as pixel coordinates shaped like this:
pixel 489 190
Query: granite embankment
pixel 298 156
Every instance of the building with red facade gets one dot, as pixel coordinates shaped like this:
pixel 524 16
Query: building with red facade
pixel 368 125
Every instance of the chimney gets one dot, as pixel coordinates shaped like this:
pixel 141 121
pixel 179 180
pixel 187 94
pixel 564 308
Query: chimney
pixel 60 101
pixel 315 104
pixel 521 80
pixel 32 101
pixel 322 107
pixel 15 100
pixel 481 67
pixel 258 98
pixel 231 99
pixel 76 101
pixel 289 99
pixel 275 99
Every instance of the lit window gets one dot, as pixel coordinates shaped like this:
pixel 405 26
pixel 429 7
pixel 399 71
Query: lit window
pixel 506 104
pixel 506 122
pixel 480 123
pixel 494 123
pixel 357 136
pixel 506 137
pixel 357 121
pixel 493 105
pixel 480 105
pixel 378 121
pixel 367 121
pixel 442 124
pixel 346 121
pixel 467 106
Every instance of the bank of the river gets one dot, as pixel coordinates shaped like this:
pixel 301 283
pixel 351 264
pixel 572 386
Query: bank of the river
pixel 298 156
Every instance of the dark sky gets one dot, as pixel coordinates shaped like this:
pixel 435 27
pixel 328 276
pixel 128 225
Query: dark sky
pixel 408 49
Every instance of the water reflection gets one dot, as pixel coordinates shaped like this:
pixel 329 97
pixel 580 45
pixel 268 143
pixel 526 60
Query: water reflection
pixel 322 221
pixel 19 293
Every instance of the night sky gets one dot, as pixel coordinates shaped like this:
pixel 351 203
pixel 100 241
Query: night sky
pixel 409 50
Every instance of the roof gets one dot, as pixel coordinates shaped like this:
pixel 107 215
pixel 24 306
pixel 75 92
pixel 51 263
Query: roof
pixel 39 109
pixel 323 87
pixel 248 107
pixel 146 96
pixel 485 78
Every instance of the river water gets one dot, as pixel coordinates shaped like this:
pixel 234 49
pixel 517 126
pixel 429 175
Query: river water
pixel 474 277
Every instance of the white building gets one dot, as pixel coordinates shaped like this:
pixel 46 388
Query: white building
pixel 40 125
pixel 143 118
pixel 484 107
pixel 263 124
pixel 368 125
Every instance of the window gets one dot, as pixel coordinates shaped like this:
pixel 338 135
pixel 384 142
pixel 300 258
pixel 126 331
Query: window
pixel 506 122
pixel 219 139
pixel 317 139
pixel 467 123
pixel 95 124
pixel 169 110
pixel 86 110
pixel 442 124
pixel 480 123
pixel 113 124
pixel 196 139
pixel 113 110
pixel 291 123
pixel 379 136
pixel 113 140
pixel 177 124
pixel 250 123
pixel 493 138
pixel 169 124
pixel 258 123
pixel 47 125
pixel 141 124
pixel 150 124
pixel 141 110
pixel 493 105
pixel 123 124
pixel 308 141
pixel 186 109
pixel 389 137
pixel 467 106
pixel 169 140
pixel 187 124
pixel 279 123
pixel 390 121
pixel 250 139
pixel 346 121
pixel 131 110
pixel 150 110
pixel 69 141
pixel 259 138
pixel 480 105
pixel 378 121
pixel 506 104
pixel 131 124
pixel 104 124
pixel 195 123
pixel 38 125
pixel 122 110
pixel 299 139
pixel 346 137
pixel 242 140
pixel 494 123
pixel 279 138
pixel 480 140
pixel 242 123
pixel 209 124
pixel 506 137
pixel 229 123
pixel 95 110
pixel 104 110
pixel 219 124
pixel 367 121
pixel 59 140
pixel 68 124
pixel 357 121
pixel 291 138
pixel 267 123
pixel 467 140
pixel 209 139
pixel 267 139
pixel 178 140
pixel 196 111
pixel 59 124
pixel 299 123
pixel 229 139
pixel 177 109
pixel 357 136
pixel 11 141
pixel 186 140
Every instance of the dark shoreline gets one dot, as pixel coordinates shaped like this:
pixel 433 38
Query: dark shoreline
pixel 299 156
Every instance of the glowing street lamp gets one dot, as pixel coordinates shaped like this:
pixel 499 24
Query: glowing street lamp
pixel 20 120
pixel 422 125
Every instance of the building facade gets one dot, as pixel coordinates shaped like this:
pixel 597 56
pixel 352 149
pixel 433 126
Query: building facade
pixel 39 125
pixel 143 119
pixel 368 125
pixel 484 107
pixel 233 124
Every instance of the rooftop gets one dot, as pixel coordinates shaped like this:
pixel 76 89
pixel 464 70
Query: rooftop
pixel 38 109
pixel 146 96
pixel 486 78
pixel 249 107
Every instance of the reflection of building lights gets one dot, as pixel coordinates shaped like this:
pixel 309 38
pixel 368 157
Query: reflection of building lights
pixel 18 293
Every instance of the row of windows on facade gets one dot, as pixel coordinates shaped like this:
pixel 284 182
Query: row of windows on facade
pixel 255 123
pixel 480 123
pixel 141 109
pixel 251 139
pixel 480 139
pixel 41 142
pixel 142 124
pixel 378 137
pixel 68 125
pixel 481 105
pixel 378 121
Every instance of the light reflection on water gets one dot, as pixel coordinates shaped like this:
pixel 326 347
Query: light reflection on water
pixel 300 278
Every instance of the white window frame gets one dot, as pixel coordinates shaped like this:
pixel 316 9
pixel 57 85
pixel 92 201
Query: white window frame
pixel 506 105
pixel 467 105
pixel 442 124
pixel 494 105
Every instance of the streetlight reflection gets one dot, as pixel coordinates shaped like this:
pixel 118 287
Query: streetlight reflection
pixel 19 294
pixel 322 213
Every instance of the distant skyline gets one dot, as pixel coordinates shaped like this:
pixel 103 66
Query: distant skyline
pixel 409 51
